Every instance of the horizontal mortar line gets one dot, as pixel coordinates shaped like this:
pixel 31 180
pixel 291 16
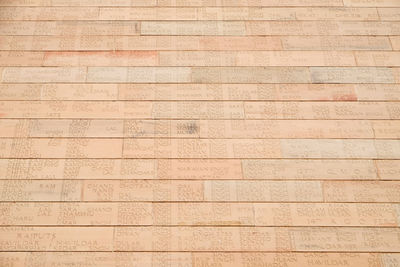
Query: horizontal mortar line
pixel 302 158
pixel 187 226
pixel 174 6
pixel 197 66
pixel 56 50
pixel 197 20
pixel 186 83
pixel 201 252
pixel 394 138
pixel 193 6
pixel 197 100
pixel 202 180
pixel 186 119
pixel 200 201
pixel 204 67
pixel 192 119
pixel 195 202
pixel 187 35
pixel 177 119
pixel 204 251
pixel 306 159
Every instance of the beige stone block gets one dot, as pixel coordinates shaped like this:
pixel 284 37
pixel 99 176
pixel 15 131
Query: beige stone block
pixel 142 190
pixel 321 110
pixel 387 149
pixel 371 92
pixel 352 75
pixel 40 190
pixel 371 3
pixel 101 259
pixel 256 3
pixel 192 28
pixel 56 239
pixel 325 214
pixel 329 148
pixel 250 75
pixel 259 58
pixel 199 239
pixel 263 191
pixel 201 148
pixel 388 169
pixel 386 129
pixel 138 74
pixel 45 74
pixel 309 169
pixel 345 239
pixel 305 28
pixel 336 43
pixel 77 169
pixel 57 91
pixel 115 58
pixel 352 191
pixel 61 128
pixel 386 59
pixel 286 129
pixel 60 148
pixel 291 259
pixel 196 214
pixel 74 214
pixel 49 13
pixel 199 169
pixel 148 13
pixel 68 28
pixel 195 91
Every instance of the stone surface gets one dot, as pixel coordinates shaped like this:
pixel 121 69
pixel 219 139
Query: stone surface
pixel 199 133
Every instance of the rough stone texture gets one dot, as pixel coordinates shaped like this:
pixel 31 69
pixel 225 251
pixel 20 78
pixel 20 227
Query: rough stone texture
pixel 199 133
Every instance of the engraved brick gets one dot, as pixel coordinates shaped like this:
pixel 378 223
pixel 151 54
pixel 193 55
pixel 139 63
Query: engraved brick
pixel 305 28
pixel 261 191
pixel 388 169
pixel 256 3
pixel 386 59
pixel 195 238
pixel 328 148
pixel 371 92
pixel 259 58
pixel 68 28
pixel 56 239
pixel 61 128
pixel 309 169
pixel 250 75
pixel 48 74
pixel 115 58
pixel 340 191
pixel 142 190
pixel 352 75
pixel 192 28
pixel 336 43
pixel 372 3
pixel 201 148
pixel 199 169
pixel 288 259
pixel 286 129
pixel 49 13
pixel 58 92
pixel 60 148
pixel 326 214
pixel 319 110
pixel 40 190
pixel 386 129
pixel 116 42
pixel 345 239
